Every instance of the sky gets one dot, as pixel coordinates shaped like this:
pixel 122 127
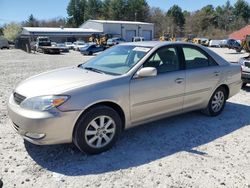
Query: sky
pixel 19 10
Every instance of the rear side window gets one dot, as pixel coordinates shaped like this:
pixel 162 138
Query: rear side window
pixel 195 58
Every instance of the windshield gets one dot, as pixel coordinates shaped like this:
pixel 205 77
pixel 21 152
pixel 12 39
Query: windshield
pixel 117 60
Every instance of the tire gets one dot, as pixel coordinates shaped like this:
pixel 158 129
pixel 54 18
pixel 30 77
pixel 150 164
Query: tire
pixel 90 53
pixel 101 136
pixel 244 85
pixel 216 106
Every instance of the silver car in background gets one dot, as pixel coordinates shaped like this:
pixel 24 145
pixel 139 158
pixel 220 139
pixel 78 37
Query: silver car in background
pixel 127 85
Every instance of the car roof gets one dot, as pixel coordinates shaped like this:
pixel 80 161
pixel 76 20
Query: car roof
pixel 157 43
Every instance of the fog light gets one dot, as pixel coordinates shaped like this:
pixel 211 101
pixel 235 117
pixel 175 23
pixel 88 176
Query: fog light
pixel 36 136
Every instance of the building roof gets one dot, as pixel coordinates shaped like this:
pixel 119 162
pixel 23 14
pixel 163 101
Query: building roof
pixel 121 22
pixel 58 30
pixel 240 34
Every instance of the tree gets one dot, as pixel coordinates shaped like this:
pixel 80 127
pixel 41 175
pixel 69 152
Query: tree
pixel 137 10
pixel 76 10
pixel 117 9
pixel 176 18
pixel 224 16
pixel 31 22
pixel 105 14
pixel 11 31
pixel 242 10
pixel 157 16
pixel 1 31
pixel 93 9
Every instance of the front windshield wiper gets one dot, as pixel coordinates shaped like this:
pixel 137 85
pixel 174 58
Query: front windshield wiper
pixel 94 70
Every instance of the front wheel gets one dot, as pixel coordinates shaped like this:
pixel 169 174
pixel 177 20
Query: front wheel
pixel 217 102
pixel 97 130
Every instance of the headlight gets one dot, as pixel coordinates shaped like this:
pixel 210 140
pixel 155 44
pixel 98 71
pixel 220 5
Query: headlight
pixel 43 103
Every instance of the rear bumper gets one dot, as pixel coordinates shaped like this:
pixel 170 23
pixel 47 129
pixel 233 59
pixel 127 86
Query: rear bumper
pixel 234 88
pixel 51 127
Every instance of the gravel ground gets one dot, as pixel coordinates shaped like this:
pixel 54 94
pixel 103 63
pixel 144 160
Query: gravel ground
pixel 190 150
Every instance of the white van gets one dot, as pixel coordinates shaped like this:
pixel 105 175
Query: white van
pixel 214 43
pixel 4 43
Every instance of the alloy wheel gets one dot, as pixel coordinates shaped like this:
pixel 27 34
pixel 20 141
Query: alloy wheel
pixel 100 131
pixel 218 101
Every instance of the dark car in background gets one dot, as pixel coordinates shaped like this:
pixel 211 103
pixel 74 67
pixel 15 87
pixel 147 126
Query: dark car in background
pixel 91 49
pixel 234 44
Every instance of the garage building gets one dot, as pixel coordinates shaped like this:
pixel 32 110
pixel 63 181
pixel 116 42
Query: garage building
pixel 124 29
pixel 58 34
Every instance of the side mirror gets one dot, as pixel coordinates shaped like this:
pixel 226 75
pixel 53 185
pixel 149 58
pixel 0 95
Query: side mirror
pixel 146 72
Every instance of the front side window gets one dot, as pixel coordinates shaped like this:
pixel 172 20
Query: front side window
pixel 195 58
pixel 164 60
pixel 117 60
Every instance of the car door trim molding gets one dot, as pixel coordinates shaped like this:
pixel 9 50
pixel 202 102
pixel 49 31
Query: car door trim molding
pixel 198 91
pixel 158 100
pixel 172 97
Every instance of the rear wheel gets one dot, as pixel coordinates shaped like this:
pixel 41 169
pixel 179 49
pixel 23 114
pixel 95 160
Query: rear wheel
pixel 97 130
pixel 217 102
pixel 244 85
pixel 90 53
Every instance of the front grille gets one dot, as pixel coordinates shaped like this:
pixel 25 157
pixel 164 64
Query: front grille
pixel 18 98
pixel 247 64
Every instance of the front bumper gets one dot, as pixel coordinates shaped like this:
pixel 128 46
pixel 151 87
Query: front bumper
pixel 54 127
pixel 245 76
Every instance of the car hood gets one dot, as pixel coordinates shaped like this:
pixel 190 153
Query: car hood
pixel 59 81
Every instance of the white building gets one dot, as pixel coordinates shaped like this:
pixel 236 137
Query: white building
pixel 58 34
pixel 124 29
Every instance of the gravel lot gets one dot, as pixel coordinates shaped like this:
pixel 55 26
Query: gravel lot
pixel 190 150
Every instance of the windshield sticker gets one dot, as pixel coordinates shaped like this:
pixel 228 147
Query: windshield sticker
pixel 141 49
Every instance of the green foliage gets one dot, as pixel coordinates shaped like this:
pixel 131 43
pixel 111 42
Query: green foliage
pixel 93 9
pixel 208 21
pixel 11 31
pixel 31 22
pixel 77 11
pixel 177 15
pixel 137 10
pixel 242 10
pixel 117 10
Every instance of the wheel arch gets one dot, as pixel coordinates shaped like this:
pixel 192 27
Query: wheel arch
pixel 226 89
pixel 110 104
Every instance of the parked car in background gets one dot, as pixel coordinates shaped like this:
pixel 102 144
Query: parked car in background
pixel 4 44
pixel 78 45
pixel 91 49
pixel 53 44
pixel 126 85
pixel 223 43
pixel 204 41
pixel 115 41
pixel 62 47
pixel 214 43
pixel 234 44
pixel 138 39
pixel 245 65
pixel 70 45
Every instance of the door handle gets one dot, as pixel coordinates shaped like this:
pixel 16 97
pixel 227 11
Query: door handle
pixel 179 80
